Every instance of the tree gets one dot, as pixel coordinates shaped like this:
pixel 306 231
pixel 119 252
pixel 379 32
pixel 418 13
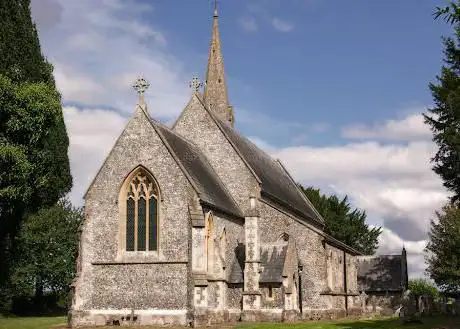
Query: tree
pixel 20 51
pixel 444 117
pixel 443 249
pixel 34 166
pixel 44 263
pixel 344 223
pixel 421 287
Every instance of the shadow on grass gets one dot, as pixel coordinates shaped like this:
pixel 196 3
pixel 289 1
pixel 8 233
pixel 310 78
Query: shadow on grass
pixel 427 323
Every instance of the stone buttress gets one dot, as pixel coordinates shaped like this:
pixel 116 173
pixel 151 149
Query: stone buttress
pixel 251 294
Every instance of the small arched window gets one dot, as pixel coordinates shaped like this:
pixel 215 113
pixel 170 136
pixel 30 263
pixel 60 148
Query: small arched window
pixel 141 199
pixel 209 242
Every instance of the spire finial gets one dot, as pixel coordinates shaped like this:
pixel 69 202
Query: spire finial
pixel 215 9
pixel 141 85
pixel 195 84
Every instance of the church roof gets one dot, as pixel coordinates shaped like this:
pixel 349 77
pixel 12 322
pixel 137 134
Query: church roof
pixel 276 183
pixel 209 186
pixel 380 273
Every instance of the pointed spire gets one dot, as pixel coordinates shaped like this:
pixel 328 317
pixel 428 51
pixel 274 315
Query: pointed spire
pixel 215 91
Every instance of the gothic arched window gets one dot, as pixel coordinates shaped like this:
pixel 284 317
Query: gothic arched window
pixel 209 242
pixel 141 200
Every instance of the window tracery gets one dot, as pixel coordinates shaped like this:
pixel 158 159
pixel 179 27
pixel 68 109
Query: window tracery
pixel 141 212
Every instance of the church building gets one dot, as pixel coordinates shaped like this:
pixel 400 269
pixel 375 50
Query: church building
pixel 194 225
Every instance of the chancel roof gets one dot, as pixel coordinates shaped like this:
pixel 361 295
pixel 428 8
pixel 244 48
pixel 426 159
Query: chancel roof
pixel 380 273
pixel 209 186
pixel 275 180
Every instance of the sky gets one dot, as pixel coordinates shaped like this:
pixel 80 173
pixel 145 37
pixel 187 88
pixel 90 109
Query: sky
pixel 334 89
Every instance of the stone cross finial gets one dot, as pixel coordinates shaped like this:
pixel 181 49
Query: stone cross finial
pixel 141 85
pixel 196 84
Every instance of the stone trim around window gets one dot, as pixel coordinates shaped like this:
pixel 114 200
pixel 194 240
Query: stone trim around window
pixel 138 188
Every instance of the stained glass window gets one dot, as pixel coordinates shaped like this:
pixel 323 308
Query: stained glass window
pixel 141 225
pixel 142 213
pixel 152 224
pixel 130 225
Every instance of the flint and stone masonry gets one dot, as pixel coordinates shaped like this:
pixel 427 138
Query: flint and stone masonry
pixel 195 225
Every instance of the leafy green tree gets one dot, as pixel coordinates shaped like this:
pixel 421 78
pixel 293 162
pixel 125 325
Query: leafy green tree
pixel 30 156
pixel 443 249
pixel 46 253
pixel 444 117
pixel 421 287
pixel 343 222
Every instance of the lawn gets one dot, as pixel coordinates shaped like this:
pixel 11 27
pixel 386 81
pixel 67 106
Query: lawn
pixel 428 323
pixel 32 322
pixel 431 323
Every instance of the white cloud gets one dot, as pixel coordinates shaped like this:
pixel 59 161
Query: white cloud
pixel 98 49
pixel 394 183
pixel 282 25
pixel 248 23
pixel 410 128
pixel 92 133
pixel 262 13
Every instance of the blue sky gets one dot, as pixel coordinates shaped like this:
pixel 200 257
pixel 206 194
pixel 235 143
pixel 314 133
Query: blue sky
pixel 342 62
pixel 334 89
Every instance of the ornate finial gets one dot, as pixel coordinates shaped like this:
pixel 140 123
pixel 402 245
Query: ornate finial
pixel 141 85
pixel 196 84
pixel 215 9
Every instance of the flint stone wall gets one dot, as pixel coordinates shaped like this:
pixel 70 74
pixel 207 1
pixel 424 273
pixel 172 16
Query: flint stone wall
pixel 196 125
pixel 107 285
pixel 312 254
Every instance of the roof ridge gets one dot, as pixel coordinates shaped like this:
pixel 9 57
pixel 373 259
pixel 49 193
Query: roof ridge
pixel 153 123
pixel 301 193
pixel 200 154
pixel 218 123
pixel 171 130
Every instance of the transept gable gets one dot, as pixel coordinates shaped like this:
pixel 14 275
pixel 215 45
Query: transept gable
pixel 188 157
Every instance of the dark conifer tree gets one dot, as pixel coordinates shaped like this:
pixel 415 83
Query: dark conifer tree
pixel 34 166
pixel 343 222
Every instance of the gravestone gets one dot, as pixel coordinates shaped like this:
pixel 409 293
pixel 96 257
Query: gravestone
pixel 408 312
pixel 362 298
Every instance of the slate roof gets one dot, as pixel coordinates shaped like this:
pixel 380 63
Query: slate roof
pixel 275 181
pixel 272 259
pixel 210 188
pixel 380 273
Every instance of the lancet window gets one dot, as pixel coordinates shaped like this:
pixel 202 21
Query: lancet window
pixel 141 212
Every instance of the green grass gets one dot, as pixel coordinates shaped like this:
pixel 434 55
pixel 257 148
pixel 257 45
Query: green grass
pixel 32 322
pixel 428 323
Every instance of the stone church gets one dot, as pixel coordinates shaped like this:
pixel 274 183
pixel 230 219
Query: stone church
pixel 194 224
